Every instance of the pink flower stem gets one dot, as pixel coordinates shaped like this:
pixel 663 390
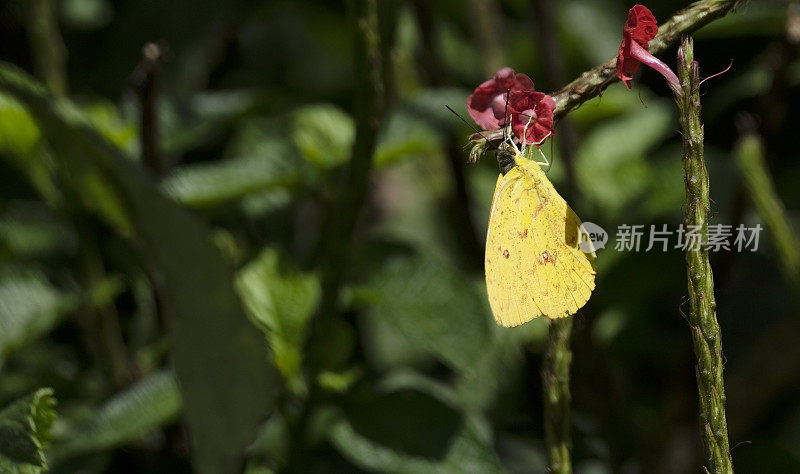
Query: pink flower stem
pixel 646 58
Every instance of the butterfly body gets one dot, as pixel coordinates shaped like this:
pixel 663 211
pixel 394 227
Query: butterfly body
pixel 534 265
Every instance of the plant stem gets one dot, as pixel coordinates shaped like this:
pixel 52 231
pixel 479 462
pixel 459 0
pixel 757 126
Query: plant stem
pixel 343 215
pixel 103 329
pixel 555 380
pixel 702 316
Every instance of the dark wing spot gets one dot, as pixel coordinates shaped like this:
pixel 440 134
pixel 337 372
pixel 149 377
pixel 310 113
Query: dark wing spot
pixel 505 253
pixel 546 257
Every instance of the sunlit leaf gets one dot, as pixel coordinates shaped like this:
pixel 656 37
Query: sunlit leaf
pixel 216 183
pixel 25 432
pixel 281 301
pixel 18 132
pixel 323 134
pixel 106 119
pixel 29 307
pixel 148 405
pixel 20 145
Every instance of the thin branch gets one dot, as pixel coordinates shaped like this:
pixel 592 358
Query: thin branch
pixel 145 79
pixel 594 81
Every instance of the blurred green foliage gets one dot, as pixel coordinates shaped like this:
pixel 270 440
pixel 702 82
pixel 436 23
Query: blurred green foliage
pixel 204 282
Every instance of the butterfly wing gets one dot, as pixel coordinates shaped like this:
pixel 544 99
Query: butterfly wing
pixel 534 266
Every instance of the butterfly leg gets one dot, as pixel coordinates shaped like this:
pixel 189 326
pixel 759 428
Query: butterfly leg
pixel 542 163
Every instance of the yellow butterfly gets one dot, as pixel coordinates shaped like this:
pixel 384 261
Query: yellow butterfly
pixel 534 265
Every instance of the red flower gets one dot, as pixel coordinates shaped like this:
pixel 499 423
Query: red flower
pixel 532 116
pixel 487 104
pixel 641 25
pixel 640 28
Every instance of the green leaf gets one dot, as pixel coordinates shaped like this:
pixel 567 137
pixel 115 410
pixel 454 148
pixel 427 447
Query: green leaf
pixel 30 307
pixel 30 230
pixel 129 415
pixel 324 135
pixel 406 135
pixel 216 183
pixel 106 119
pixel 602 41
pixel 25 430
pixel 469 451
pixel 418 127
pixel 210 115
pixel 427 306
pixel 271 448
pixel 281 301
pixel 611 163
pixel 218 355
pixel 20 145
pixel 400 420
pixel 499 361
pixel 260 159
pixel 18 132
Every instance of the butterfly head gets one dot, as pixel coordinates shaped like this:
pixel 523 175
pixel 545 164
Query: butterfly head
pixel 506 156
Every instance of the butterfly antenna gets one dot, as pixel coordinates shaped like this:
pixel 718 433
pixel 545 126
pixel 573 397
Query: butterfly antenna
pixel 506 135
pixel 469 124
